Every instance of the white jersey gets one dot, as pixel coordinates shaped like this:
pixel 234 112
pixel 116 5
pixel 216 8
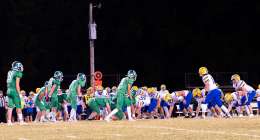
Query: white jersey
pixel 240 84
pixel 186 92
pixel 258 95
pixel 203 93
pixel 209 79
pixel 154 95
pixel 99 95
pixel 235 96
pixel 143 99
pixel 163 93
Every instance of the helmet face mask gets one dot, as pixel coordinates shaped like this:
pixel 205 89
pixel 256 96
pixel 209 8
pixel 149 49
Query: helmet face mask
pixel 17 66
pixel 235 78
pixel 132 74
pixel 81 76
pixel 163 87
pixel 58 75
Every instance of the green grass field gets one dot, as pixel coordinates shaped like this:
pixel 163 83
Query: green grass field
pixel 172 129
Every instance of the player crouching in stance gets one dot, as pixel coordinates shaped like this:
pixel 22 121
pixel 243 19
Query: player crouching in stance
pixel 233 100
pixel 244 90
pixel 41 103
pixel 152 110
pixel 123 93
pixel 185 97
pixel 214 94
pixel 13 91
pixel 95 104
pixel 170 100
pixel 199 96
pixel 53 86
pixel 142 101
pixel 74 92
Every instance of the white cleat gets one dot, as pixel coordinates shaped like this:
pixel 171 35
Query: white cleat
pixel 9 124
pixel 240 115
pixel 131 120
pixel 251 115
pixel 107 119
pixel 22 123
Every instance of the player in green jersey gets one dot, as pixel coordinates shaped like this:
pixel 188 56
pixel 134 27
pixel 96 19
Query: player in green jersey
pixel 41 103
pixel 13 91
pixel 96 103
pixel 123 95
pixel 75 91
pixel 53 86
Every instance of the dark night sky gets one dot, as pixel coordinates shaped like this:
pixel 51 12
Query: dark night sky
pixel 161 40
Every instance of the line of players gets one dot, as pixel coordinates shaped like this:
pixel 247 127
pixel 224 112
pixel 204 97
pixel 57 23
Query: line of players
pixel 131 100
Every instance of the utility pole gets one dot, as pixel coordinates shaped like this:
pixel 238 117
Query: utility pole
pixel 92 38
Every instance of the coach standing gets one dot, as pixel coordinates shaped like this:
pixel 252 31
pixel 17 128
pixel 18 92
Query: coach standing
pixel 2 108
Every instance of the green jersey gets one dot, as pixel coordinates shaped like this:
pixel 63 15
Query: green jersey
pixel 62 97
pixel 52 82
pixel 123 86
pixel 41 93
pixel 11 79
pixel 74 86
pixel 102 102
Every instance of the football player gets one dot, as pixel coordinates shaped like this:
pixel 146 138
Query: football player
pixel 75 91
pixel 53 86
pixel 142 100
pixel 244 89
pixel 185 97
pixel 170 100
pixel 233 100
pixel 41 103
pixel 123 93
pixel 100 92
pixel 199 96
pixel 13 91
pixel 96 103
pixel 163 104
pixel 154 104
pixel 213 97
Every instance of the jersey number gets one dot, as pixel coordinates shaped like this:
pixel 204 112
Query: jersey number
pixel 9 77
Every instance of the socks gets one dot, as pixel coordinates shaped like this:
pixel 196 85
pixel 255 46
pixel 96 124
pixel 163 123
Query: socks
pixel 73 115
pixel 20 117
pixel 225 110
pixel 129 113
pixel 247 110
pixel 166 110
pixel 112 113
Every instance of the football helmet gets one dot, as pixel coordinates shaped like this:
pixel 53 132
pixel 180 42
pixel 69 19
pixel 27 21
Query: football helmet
pixel 235 77
pixel 203 71
pixel 58 75
pixel 17 66
pixel 132 74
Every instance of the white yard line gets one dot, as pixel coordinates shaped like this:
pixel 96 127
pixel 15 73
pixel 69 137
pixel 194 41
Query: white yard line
pixel 72 137
pixel 117 135
pixel 193 131
pixel 22 139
